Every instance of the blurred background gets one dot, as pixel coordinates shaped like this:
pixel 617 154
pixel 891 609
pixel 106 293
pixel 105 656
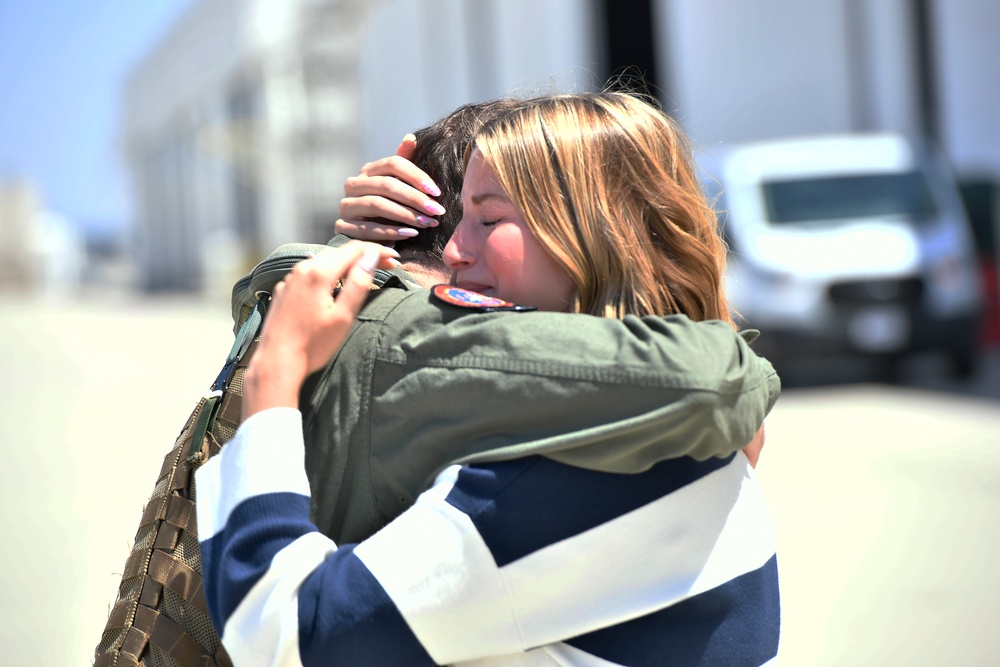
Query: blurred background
pixel 151 153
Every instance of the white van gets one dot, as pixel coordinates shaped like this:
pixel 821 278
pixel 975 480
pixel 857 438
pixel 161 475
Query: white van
pixel 853 244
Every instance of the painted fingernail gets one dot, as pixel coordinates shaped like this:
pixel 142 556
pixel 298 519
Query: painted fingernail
pixel 406 232
pixel 432 189
pixel 369 261
pixel 433 207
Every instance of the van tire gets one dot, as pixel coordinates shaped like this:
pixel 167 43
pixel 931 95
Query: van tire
pixel 889 369
pixel 963 364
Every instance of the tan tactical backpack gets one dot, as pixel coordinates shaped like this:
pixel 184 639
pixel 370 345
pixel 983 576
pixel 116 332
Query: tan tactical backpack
pixel 160 617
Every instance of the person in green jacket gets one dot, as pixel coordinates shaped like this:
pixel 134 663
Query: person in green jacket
pixel 412 390
pixel 622 534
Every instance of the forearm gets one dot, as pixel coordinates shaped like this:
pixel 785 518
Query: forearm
pixel 275 586
pixel 753 450
pixel 636 391
pixel 272 380
pixel 253 502
pixel 306 325
pixel 467 560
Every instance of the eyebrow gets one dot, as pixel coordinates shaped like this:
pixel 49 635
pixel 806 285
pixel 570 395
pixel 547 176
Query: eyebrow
pixel 485 196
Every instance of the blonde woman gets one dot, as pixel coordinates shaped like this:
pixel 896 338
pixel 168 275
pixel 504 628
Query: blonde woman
pixel 583 204
pixel 607 188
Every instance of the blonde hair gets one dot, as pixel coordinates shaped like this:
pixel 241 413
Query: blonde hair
pixel 607 184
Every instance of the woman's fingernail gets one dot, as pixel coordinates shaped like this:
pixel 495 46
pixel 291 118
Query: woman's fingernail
pixel 432 189
pixel 433 207
pixel 369 261
pixel 406 232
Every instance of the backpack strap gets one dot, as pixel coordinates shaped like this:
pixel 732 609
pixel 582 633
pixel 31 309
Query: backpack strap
pixel 263 277
pixel 245 337
pixel 160 616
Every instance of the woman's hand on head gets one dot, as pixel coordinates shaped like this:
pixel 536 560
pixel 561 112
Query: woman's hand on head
pixel 305 325
pixel 390 199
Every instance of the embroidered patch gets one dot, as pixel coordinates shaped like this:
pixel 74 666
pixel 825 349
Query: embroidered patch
pixel 463 298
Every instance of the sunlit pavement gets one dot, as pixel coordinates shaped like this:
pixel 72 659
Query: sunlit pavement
pixel 91 400
pixel 885 500
pixel 886 505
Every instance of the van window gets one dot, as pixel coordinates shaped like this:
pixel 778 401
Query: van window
pixel 849 197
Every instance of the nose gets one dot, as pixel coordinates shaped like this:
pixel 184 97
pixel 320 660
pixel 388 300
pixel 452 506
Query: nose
pixel 456 255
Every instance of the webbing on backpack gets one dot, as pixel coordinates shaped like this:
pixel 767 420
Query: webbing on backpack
pixel 160 617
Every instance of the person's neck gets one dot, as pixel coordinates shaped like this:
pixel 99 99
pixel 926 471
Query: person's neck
pixel 427 276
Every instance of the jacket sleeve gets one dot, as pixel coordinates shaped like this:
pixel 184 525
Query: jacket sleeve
pixel 599 393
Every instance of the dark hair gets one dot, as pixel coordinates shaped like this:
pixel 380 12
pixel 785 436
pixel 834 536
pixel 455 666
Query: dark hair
pixel 440 152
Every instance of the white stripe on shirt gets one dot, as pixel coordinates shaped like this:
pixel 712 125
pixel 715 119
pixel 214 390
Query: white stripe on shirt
pixel 689 541
pixel 685 543
pixel 252 465
pixel 275 595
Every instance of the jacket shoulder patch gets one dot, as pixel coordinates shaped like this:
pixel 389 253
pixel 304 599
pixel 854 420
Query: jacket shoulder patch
pixel 463 298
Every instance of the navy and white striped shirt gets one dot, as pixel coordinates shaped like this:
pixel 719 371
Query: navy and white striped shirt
pixel 524 562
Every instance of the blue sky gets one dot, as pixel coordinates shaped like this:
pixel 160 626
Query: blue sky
pixel 62 67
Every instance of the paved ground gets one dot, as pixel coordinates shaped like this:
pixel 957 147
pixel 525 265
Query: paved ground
pixel 91 399
pixel 885 500
pixel 886 503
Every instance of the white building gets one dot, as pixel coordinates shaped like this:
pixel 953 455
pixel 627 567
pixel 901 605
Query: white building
pixel 40 251
pixel 239 128
pixel 244 121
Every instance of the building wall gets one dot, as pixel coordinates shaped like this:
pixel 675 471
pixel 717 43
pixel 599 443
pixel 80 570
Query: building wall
pixel 732 71
pixel 177 140
pixel 40 251
pixel 422 58
pixel 968 50
pixel 240 128
pixel 740 71
pixel 20 207
pixel 243 123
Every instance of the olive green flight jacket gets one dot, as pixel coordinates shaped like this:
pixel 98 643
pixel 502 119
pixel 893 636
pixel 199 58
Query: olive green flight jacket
pixel 421 384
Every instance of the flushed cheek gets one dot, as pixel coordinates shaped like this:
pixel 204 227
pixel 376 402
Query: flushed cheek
pixel 507 262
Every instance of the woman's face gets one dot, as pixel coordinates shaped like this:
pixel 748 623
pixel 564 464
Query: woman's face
pixel 493 251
